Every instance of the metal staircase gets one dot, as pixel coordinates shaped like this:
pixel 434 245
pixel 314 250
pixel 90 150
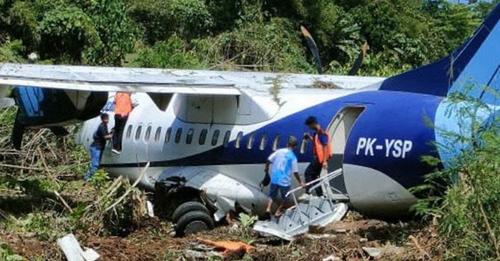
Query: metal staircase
pixel 316 211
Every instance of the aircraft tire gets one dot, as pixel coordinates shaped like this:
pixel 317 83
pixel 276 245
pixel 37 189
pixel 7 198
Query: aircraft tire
pixel 193 222
pixel 187 207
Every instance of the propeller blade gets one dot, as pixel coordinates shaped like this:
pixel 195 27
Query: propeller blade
pixel 313 48
pixel 359 61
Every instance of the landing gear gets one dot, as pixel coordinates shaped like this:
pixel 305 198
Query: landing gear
pixel 191 217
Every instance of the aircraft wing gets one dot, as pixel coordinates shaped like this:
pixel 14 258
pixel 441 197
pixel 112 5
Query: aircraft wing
pixel 109 79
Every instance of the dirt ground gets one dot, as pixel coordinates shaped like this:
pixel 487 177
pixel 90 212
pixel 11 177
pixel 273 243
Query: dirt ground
pixel 340 241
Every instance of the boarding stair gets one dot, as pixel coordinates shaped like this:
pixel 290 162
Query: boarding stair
pixel 314 211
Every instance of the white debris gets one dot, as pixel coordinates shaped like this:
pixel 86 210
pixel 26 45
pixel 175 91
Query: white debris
pixel 73 251
pixel 150 208
pixel 373 251
pixel 331 258
pixel 320 236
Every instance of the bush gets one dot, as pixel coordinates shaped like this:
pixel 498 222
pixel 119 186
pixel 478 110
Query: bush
pixel 271 46
pixel 172 53
pixel 468 212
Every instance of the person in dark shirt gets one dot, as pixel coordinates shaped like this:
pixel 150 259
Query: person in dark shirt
pixel 96 148
pixel 321 149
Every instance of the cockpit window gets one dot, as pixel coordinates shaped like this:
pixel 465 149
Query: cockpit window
pixel 215 137
pixel 203 136
pixel 178 135
pixel 189 136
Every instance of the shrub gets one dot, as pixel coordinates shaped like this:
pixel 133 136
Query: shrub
pixel 465 196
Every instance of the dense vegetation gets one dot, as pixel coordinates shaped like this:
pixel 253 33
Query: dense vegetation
pixel 235 34
pixel 261 35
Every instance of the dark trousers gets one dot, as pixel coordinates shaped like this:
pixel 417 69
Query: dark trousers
pixel 312 172
pixel 118 131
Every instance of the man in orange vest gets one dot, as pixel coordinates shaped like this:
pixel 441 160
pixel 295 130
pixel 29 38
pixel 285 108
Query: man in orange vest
pixel 321 149
pixel 123 107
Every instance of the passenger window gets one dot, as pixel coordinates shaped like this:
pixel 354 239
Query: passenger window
pixel 226 138
pixel 276 142
pixel 148 133
pixel 158 134
pixel 238 140
pixel 263 142
pixel 303 144
pixel 203 136
pixel 215 137
pixel 178 135
pixel 189 136
pixel 167 135
pixel 250 141
pixel 138 132
pixel 129 131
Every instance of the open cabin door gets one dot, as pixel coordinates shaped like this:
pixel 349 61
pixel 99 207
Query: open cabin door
pixel 339 129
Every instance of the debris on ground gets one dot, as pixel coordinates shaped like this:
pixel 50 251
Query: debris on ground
pixel 229 248
pixel 74 252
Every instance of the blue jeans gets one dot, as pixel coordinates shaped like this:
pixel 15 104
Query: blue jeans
pixel 95 160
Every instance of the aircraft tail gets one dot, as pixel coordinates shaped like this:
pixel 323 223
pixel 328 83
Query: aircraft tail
pixel 468 69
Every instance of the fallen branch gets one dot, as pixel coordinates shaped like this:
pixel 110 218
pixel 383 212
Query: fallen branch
pixel 65 204
pixel 143 172
pixel 20 167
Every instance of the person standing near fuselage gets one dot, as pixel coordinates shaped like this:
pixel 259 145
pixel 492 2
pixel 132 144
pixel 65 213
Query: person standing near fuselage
pixel 101 135
pixel 321 149
pixel 283 163
pixel 123 107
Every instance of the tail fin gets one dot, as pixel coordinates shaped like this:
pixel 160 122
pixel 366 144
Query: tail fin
pixel 477 61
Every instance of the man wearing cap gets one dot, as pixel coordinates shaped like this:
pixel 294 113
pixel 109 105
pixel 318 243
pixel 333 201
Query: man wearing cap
pixel 283 163
pixel 321 149
pixel 100 136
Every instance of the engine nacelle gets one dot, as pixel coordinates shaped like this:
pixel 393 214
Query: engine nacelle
pixel 50 108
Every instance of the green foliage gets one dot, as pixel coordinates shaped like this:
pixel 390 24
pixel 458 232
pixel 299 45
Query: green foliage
pixel 162 18
pixel 246 220
pixel 115 30
pixel 238 34
pixel 172 53
pixel 465 197
pixel 271 46
pixel 7 254
pixel 11 51
pixel 66 33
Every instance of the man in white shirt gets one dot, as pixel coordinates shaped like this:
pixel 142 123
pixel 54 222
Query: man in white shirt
pixel 283 163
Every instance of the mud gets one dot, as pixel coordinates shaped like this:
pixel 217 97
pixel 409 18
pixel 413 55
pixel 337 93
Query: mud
pixel 344 240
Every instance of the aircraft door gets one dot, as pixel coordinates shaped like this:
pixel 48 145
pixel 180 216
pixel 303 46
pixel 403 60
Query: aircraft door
pixel 339 129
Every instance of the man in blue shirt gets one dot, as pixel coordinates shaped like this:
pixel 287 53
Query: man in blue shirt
pixel 283 163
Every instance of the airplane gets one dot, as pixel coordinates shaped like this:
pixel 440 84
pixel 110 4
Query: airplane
pixel 206 135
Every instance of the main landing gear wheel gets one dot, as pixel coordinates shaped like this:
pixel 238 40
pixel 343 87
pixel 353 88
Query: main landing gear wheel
pixel 193 222
pixel 187 207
